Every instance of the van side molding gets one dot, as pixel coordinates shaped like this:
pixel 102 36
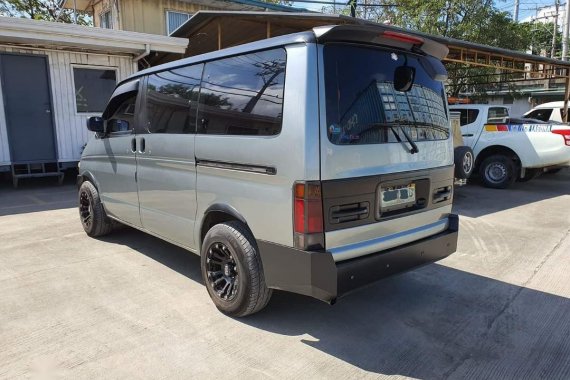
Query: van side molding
pixel 269 170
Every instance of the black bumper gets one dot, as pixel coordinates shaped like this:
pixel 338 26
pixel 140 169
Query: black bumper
pixel 316 274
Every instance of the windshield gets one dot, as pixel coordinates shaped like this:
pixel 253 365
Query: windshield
pixel 364 108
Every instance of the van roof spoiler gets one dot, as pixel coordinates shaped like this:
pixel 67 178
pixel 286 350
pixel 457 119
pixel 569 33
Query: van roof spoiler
pixel 381 35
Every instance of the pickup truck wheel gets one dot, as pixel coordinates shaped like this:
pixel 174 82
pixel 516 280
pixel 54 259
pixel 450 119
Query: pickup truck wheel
pixel 464 162
pixel 232 270
pixel 91 212
pixel 529 174
pixel 498 171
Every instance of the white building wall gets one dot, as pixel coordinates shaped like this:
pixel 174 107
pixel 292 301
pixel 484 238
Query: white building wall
pixel 70 130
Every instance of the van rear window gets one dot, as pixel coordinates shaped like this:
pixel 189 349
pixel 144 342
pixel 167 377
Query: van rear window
pixel 362 106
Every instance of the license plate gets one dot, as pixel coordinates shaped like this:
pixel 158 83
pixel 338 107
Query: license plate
pixel 395 197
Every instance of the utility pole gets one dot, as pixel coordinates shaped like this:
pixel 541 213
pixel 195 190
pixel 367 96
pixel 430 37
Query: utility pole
pixel 516 11
pixel 352 4
pixel 565 32
pixel 555 30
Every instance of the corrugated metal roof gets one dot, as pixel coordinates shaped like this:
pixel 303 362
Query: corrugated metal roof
pixel 297 22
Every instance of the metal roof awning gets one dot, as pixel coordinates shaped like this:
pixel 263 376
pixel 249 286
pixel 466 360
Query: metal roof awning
pixel 214 30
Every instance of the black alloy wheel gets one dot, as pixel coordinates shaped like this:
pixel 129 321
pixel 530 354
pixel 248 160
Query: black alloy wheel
pixel 222 271
pixel 85 210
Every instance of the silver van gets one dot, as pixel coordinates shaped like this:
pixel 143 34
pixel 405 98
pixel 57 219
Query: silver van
pixel 315 162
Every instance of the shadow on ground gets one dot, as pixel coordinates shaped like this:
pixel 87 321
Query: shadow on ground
pixel 474 200
pixel 435 322
pixel 37 194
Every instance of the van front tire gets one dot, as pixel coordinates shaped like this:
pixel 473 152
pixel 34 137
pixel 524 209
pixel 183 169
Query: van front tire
pixel 91 212
pixel 232 270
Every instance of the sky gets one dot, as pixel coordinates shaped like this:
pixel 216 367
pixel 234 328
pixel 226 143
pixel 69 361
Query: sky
pixel 527 8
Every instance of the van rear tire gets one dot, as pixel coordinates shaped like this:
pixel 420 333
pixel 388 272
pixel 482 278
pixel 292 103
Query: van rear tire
pixel 232 270
pixel 93 218
pixel 497 171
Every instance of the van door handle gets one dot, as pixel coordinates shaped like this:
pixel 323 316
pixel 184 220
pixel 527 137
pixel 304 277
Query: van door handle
pixel 134 145
pixel 142 145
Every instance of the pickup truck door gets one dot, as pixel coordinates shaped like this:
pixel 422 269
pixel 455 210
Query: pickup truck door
pixel 471 122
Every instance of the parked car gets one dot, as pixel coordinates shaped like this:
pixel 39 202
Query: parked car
pixel 508 149
pixel 548 112
pixel 314 163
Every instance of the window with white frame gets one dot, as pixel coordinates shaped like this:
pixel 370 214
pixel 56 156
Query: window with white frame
pixel 105 20
pixel 174 20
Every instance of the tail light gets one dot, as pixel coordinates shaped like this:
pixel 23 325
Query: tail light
pixel 308 216
pixel 565 134
pixel 403 37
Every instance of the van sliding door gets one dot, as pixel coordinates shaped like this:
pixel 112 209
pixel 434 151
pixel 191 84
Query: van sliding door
pixel 166 168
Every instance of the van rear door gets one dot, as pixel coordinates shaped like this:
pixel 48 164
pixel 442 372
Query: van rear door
pixel 365 120
pixel 378 190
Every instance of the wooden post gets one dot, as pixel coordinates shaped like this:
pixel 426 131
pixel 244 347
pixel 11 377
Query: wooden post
pixel 219 36
pixel 268 32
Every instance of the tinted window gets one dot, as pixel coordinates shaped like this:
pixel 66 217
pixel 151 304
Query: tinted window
pixel 497 114
pixel 543 114
pixel 362 106
pixel 171 100
pixel 93 88
pixel 468 116
pixel 124 115
pixel 243 95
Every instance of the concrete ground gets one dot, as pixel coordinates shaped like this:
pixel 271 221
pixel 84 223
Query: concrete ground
pixel 132 306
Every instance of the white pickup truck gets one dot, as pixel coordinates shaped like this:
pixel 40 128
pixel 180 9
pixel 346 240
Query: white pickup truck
pixel 506 149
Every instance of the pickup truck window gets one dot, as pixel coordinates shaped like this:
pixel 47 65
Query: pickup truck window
pixel 541 114
pixel 497 114
pixel 362 106
pixel 468 116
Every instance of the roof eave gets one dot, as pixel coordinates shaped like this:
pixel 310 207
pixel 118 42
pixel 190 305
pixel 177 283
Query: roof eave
pixel 59 35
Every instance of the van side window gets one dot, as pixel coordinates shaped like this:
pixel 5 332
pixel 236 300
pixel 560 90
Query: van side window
pixel 468 116
pixel 243 95
pixel 171 100
pixel 124 114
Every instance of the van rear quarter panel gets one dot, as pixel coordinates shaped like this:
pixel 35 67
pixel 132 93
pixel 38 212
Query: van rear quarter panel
pixel 265 201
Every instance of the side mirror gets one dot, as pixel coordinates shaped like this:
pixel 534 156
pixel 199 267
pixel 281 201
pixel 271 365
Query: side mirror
pixel 404 78
pixel 96 124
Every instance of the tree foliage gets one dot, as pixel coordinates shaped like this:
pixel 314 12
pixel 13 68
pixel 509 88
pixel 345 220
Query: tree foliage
pixel 476 21
pixel 48 10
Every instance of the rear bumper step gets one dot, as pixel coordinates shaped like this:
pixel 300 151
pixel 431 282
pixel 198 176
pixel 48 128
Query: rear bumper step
pixel 317 275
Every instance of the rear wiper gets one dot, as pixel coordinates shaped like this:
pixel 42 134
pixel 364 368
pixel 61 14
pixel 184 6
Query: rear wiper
pixel 391 126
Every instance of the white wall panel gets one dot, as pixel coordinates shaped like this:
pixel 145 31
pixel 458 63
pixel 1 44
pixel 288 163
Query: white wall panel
pixel 69 125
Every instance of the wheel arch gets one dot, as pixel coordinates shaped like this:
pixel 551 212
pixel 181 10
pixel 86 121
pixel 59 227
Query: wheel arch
pixel 216 214
pixel 87 176
pixel 497 149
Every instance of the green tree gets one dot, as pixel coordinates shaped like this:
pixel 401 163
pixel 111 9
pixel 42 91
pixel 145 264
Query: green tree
pixel 48 10
pixel 476 21
pixel 541 38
